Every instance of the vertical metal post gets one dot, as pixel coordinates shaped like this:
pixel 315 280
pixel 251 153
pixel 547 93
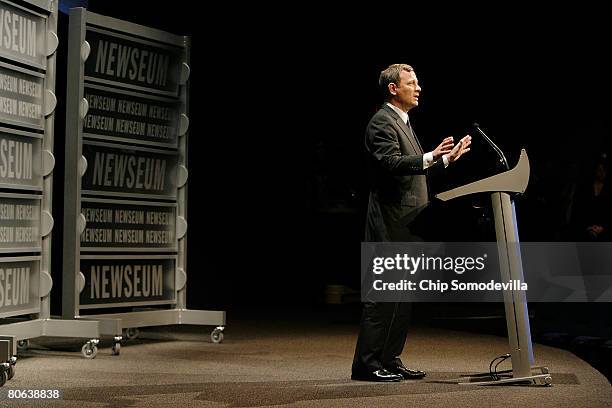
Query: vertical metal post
pixel 47 144
pixel 515 303
pixel 181 296
pixel 72 159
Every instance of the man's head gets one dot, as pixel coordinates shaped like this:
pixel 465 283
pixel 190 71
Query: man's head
pixel 400 86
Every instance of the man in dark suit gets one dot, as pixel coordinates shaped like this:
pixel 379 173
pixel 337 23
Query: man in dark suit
pixel 398 194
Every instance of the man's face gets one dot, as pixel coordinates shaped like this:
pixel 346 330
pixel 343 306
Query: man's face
pixel 406 93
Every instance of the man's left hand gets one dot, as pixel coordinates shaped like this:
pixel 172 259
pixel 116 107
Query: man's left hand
pixel 460 149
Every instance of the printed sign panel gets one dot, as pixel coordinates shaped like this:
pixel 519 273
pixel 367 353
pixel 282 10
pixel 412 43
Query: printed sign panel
pixel 19 223
pixel 117 226
pixel 124 171
pixel 20 161
pixel 21 97
pixel 125 60
pixel 129 281
pixel 23 35
pixel 118 116
pixel 19 286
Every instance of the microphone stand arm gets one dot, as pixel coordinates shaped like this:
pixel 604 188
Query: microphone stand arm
pixel 502 157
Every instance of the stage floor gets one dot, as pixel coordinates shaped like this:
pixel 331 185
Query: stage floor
pixel 288 363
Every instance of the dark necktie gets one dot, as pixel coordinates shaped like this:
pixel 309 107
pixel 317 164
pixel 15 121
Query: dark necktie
pixel 413 134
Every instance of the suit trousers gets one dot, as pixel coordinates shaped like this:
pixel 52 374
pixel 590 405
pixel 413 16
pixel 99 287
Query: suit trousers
pixel 382 335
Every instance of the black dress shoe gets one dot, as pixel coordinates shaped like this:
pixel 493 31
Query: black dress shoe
pixel 381 375
pixel 397 367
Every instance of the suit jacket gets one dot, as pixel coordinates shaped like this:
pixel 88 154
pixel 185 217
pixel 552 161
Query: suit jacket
pixel 398 184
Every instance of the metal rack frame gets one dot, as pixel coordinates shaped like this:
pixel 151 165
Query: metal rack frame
pixel 83 22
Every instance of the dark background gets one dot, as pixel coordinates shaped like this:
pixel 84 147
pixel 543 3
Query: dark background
pixel 279 102
pixel 281 95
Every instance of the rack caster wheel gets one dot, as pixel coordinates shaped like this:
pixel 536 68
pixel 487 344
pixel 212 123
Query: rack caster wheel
pixel 217 335
pixel 11 370
pixel 548 381
pixel 23 344
pixel 90 349
pixel 116 350
pixel 3 378
pixel 132 333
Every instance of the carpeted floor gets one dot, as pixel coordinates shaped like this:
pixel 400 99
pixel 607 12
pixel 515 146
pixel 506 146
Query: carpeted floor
pixel 289 364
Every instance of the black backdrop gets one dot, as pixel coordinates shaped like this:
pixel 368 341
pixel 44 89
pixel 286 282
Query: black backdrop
pixel 280 96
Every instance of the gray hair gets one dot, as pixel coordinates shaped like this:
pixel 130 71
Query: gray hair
pixel 391 74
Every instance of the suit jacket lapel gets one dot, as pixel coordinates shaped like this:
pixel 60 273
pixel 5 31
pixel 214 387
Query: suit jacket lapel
pixel 407 130
pixel 410 136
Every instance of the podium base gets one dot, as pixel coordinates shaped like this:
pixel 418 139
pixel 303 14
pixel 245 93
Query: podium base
pixel 540 376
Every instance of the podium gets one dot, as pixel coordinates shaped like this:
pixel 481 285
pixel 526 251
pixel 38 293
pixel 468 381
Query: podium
pixel 500 186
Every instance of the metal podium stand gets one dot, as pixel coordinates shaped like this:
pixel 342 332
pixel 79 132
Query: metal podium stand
pixel 515 302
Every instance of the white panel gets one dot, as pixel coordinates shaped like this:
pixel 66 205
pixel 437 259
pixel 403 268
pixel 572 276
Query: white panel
pixel 83 165
pixel 46 223
pixel 183 124
pixel 81 223
pixel 48 161
pixel 52 42
pixel 181 279
pixel 50 102
pixel 185 71
pixel 85 50
pixel 182 175
pixel 181 227
pixel 80 281
pixel 46 283
pixel 83 108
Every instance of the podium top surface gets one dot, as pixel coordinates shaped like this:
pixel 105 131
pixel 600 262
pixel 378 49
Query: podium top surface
pixel 514 180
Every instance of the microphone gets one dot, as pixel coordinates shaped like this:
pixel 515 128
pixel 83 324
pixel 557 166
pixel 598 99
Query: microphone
pixel 502 158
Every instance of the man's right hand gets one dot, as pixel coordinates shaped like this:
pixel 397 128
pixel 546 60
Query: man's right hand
pixel 460 149
pixel 443 148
